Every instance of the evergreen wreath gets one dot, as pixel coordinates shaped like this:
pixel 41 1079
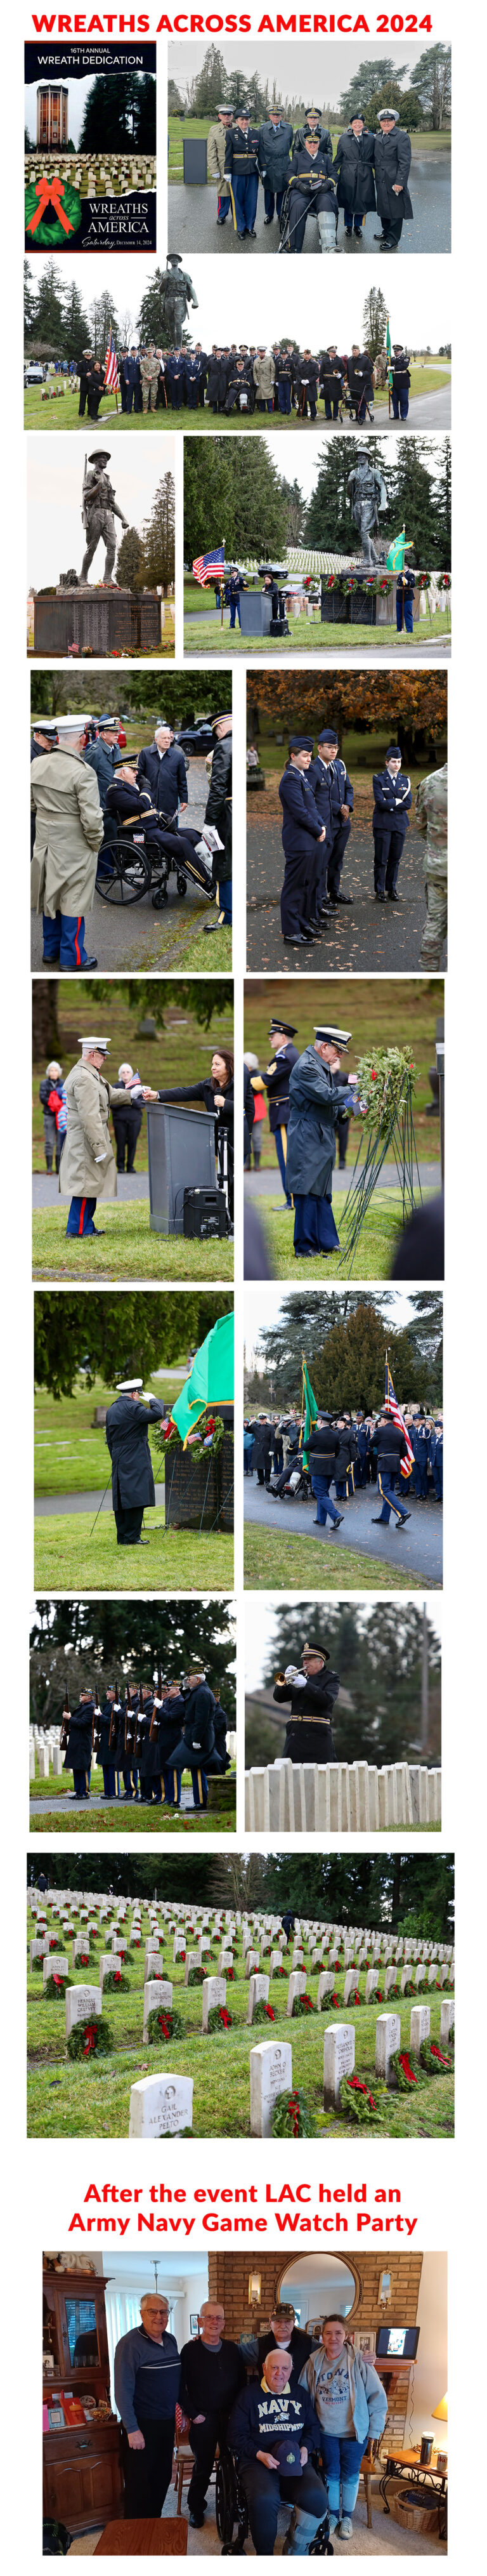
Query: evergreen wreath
pixel 218 2019
pixel 196 1976
pixel 55 1986
pixel 163 2024
pixel 90 2038
pixel 356 2100
pixel 355 2000
pixel 115 1983
pixel 291 2117
pixel 434 2059
pixel 263 2012
pixel 405 2075
pixel 302 2004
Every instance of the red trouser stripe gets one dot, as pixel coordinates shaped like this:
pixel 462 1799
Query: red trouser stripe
pixel 82 1216
pixel 76 939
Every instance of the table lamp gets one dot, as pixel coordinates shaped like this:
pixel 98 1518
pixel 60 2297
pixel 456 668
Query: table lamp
pixel 440 2414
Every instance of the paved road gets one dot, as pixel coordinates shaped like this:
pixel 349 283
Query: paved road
pixel 130 1185
pixel 377 938
pixel 192 220
pixel 418 1551
pixel 426 411
pixel 44 1806
pixel 263 1183
pixel 133 935
pixel 47 1504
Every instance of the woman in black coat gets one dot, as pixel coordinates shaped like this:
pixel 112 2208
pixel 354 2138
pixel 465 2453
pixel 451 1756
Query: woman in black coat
pixel 216 1092
pixel 392 163
pixel 76 1742
pixel 354 167
pixel 263 1444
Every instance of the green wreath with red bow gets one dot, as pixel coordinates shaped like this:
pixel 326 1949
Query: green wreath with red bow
pixel 291 2117
pixel 263 2012
pixel 356 2100
pixel 163 2024
pixel 90 2038
pixel 197 1976
pixel 218 2019
pixel 434 2059
pixel 115 1983
pixel 55 1986
pixel 406 2076
pixel 302 2005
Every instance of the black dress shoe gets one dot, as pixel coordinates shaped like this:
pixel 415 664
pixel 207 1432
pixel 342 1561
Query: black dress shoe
pixel 85 969
pixel 379 898
pixel 394 898
pixel 341 898
pixel 296 939
pixel 378 1522
pixel 338 1523
pixel 379 236
pixel 405 1516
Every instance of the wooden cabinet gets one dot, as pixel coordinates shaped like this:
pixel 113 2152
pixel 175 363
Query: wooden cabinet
pixel 82 2471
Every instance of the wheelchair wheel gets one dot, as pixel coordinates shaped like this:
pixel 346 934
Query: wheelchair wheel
pixel 131 874
pixel 160 897
pixel 225 2497
pixel 181 882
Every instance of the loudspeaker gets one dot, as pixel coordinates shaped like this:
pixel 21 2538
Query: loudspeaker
pixel 204 1213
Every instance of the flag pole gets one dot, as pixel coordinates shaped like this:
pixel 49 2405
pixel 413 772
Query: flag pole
pixel 222 585
pixel 389 373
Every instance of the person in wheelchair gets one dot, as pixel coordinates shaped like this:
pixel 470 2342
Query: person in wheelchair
pixel 310 191
pixel 240 394
pixel 166 846
pixel 272 2430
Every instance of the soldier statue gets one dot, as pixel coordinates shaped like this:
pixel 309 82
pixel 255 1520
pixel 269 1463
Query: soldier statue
pixel 367 496
pixel 178 293
pixel 99 512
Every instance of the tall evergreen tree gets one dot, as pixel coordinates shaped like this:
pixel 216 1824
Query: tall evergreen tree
pixel 413 501
pixel 370 76
pixel 374 320
pixel 212 83
pixel 131 572
pixel 119 112
pixel 49 318
pixel 75 324
pixel 30 303
pixel 80 1642
pixel 114 1337
pixel 102 319
pixel 159 537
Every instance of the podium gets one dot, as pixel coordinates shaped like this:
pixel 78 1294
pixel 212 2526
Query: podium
pixel 195 170
pixel 255 612
pixel 181 1143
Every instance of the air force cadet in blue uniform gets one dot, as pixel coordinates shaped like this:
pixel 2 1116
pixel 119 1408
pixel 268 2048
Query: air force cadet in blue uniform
pixel 277 1079
pixel 390 822
pixel 420 1444
pixel 302 832
pixel 333 795
pixel 436 1456
pixel 315 1102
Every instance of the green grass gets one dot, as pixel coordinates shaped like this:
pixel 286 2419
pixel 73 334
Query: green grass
pixel 308 636
pixel 205 960
pixel 128 1250
pixel 180 1053
pixel 64 1816
pixel 276 1562
pixel 70 2099
pixel 174 1561
pixel 375 1250
pixel 71 1454
pixel 178 127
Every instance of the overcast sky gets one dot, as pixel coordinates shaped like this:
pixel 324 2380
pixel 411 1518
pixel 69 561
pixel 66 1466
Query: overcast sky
pixel 419 315
pixel 263 1306
pixel 260 1627
pixel 300 457
pixel 326 70
pixel 55 536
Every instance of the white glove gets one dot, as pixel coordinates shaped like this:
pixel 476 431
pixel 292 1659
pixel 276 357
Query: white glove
pixel 291 1673
pixel 100 1158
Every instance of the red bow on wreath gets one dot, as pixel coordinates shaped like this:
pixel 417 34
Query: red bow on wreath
pixel 49 192
pixel 293 2109
pixel 308 2003
pixel 355 2086
pixel 225 2017
pixel 90 2037
pixel 116 1977
pixel 57 1981
pixel 406 2068
pixel 164 2025
pixel 270 2013
pixel 437 2052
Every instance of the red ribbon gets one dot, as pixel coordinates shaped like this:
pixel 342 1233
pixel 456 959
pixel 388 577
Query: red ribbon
pixel 225 2017
pixel 269 2010
pixel 164 2025
pixel 90 2037
pixel 437 2052
pixel 354 2086
pixel 49 192
pixel 293 2109
pixel 308 2003
pixel 57 1981
pixel 406 2068
pixel 116 1976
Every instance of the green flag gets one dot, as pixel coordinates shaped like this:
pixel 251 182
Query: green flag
pixel 395 557
pixel 211 1380
pixel 310 1410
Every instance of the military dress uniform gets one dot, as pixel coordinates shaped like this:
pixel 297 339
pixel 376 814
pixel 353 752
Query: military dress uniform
pixel 316 1100
pixel 390 822
pixel 432 819
pixel 405 588
pixel 76 1743
pixel 435 1453
pixel 312 192
pixel 353 163
pixel 131 380
pixel 105 1754
pixel 286 363
pixel 392 163
pixel 277 1078
pixel 149 374
pixel 420 1439
pixel 391 1447
pixel 242 171
pixel 302 829
pixel 400 383
pixel 310 1701
pixel 133 1490
pixel 331 382
pixel 332 788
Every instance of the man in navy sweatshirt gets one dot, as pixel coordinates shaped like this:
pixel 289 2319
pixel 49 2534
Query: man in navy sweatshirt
pixel 146 2380
pixel 272 2434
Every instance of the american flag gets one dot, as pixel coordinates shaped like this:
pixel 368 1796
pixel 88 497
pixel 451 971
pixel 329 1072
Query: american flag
pixel 205 565
pixel 393 1408
pixel 111 376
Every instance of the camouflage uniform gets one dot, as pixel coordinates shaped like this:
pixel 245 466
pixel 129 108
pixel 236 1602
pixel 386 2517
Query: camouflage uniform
pixel 149 370
pixel 432 819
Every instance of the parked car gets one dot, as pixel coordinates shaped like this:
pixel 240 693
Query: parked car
pixel 196 739
pixel 33 372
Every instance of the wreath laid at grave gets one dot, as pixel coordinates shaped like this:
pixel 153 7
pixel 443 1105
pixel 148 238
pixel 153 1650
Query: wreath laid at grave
pixel 218 2019
pixel 196 1976
pixel 302 2004
pixel 434 2059
pixel 356 2100
pixel 83 1959
pixel 331 2003
pixel 406 2076
pixel 408 1989
pixel 163 2024
pixel 355 2000
pixel 90 2038
pixel 291 2117
pixel 55 1986
pixel 115 1982
pixel 176 2133
pixel 392 1990
pixel 263 2012
pixel 38 1964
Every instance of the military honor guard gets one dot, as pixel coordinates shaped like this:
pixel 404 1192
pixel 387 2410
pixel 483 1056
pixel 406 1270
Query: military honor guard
pixel 68 834
pixel 405 588
pixel 302 832
pixel 333 795
pixel 242 171
pixel 128 1422
pixel 331 380
pixel 400 381
pixel 432 821
pixel 76 1742
pixel 275 147
pixel 390 822
pixel 102 1746
pixel 277 1078
pixel 316 1100
pixel 392 1445
pixel 216 142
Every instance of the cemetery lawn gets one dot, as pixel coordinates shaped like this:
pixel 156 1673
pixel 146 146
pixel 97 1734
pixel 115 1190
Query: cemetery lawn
pixel 128 1249
pixel 287 1563
pixel 174 1561
pixel 209 960
pixel 374 1253
pixel 307 636
pixel 72 2099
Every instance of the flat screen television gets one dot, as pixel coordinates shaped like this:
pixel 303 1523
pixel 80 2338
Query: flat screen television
pixel 396 2343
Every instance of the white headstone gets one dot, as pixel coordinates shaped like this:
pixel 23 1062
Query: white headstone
pixel 56 1966
pixel 447 2021
pixel 258 1994
pixel 387 2039
pixel 297 1986
pixel 326 1986
pixel 160 2105
pixel 252 1958
pixel 157 1998
pixel 179 1946
pixel 390 1979
pixel 338 2059
pixel 371 1981
pixel 419 2027
pixel 351 1984
pixel 81 1946
pixel 213 1993
pixel 82 2003
pixel 271 2072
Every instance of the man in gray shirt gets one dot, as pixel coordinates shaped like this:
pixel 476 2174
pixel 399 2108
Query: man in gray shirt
pixel 146 2380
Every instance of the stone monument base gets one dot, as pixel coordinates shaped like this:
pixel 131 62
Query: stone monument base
pixel 99 621
pixel 200 1496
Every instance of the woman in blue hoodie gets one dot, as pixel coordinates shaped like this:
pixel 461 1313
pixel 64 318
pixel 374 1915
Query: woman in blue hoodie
pixel 349 2401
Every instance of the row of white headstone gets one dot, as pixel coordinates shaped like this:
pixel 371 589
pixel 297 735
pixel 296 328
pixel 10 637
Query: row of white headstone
pixel 161 2104
pixel 340 1797
pixel 164 1917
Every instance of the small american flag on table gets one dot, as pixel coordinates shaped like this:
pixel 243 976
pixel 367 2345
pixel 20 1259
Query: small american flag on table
pixel 111 377
pixel 393 1408
pixel 205 565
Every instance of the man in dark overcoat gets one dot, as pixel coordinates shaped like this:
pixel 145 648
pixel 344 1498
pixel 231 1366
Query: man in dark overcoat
pixel 316 1101
pixel 133 1489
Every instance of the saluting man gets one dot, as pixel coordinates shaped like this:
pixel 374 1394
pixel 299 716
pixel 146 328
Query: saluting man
pixel 390 822
pixel 302 830
pixel 277 1078
pixel 127 1424
pixel 316 1101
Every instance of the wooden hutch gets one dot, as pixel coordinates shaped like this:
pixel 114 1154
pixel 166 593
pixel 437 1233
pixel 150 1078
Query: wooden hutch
pixel 82 2462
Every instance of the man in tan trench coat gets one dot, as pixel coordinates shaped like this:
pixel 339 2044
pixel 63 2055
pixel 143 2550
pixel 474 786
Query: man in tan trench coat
pixel 69 831
pixel 88 1170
